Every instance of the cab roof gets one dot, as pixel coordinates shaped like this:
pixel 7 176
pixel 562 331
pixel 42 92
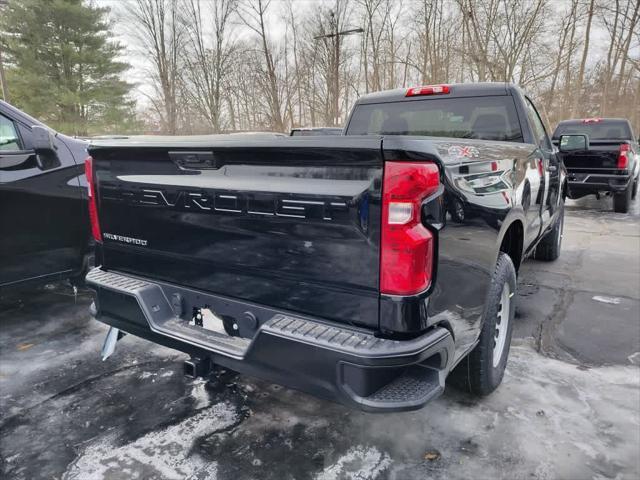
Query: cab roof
pixel 455 90
pixel 579 121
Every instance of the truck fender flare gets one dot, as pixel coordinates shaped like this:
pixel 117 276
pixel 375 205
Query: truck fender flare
pixel 515 215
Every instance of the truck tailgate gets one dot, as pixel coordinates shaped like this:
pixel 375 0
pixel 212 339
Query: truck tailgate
pixel 602 157
pixel 288 223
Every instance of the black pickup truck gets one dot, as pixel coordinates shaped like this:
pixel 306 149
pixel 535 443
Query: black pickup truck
pixel 601 155
pixel 333 265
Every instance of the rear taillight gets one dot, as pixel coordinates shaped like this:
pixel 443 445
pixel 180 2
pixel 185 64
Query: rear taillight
pixel 93 205
pixel 428 90
pixel 407 246
pixel 623 156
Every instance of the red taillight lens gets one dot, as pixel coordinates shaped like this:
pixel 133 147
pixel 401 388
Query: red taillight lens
pixel 428 90
pixel 407 246
pixel 93 206
pixel 623 156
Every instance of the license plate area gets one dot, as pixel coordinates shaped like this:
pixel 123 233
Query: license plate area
pixel 205 318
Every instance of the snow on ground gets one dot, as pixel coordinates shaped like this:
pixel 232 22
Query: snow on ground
pixel 164 453
pixel 549 419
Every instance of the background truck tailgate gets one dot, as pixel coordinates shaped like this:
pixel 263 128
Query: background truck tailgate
pixel 601 156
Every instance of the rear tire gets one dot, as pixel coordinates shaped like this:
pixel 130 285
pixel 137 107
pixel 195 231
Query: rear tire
pixel 622 200
pixel 548 249
pixel 482 371
pixel 634 193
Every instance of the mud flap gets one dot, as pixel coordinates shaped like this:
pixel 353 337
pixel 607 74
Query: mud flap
pixel 110 341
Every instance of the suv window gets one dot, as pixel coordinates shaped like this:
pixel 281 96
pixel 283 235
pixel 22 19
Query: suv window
pixel 538 127
pixel 9 139
pixel 486 118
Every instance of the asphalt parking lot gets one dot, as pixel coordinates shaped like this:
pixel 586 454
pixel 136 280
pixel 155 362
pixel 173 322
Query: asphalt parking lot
pixel 569 406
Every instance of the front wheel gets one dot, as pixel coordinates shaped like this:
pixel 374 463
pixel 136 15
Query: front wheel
pixel 483 369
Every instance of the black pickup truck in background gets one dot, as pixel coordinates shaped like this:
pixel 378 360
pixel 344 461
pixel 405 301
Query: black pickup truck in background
pixel 601 155
pixel 44 222
pixel 334 265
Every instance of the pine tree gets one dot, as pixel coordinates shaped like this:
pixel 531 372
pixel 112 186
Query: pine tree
pixel 63 66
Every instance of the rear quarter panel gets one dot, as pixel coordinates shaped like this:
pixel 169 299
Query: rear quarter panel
pixel 485 184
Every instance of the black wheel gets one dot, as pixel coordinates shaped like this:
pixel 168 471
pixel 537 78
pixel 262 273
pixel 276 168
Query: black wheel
pixel 622 200
pixel 635 189
pixel 482 371
pixel 548 249
pixel 457 211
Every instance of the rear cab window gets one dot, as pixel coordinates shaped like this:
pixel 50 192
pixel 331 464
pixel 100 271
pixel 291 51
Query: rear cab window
pixel 484 118
pixel 596 129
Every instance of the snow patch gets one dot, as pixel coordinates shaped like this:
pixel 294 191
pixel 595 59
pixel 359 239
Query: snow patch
pixel 199 394
pixel 163 453
pixel 358 463
pixel 634 358
pixel 609 300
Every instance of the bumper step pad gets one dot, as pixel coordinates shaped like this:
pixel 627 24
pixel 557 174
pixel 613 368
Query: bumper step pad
pixel 418 384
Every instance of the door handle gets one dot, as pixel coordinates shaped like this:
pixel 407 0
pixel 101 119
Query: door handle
pixel 195 160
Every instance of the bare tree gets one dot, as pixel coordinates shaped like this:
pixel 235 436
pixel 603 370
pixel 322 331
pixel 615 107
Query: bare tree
pixel 208 57
pixel 332 26
pixel 478 23
pixel 585 54
pixel 620 20
pixel 308 70
pixel 565 48
pixel 161 37
pixel 376 15
pixel 254 17
pixel 436 28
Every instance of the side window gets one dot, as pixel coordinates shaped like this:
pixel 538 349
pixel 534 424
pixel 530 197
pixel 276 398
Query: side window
pixel 9 139
pixel 537 125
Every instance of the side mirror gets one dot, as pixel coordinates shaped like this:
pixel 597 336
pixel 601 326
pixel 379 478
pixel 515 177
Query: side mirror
pixel 570 143
pixel 44 147
pixel 43 140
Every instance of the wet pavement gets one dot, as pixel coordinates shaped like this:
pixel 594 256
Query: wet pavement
pixel 569 406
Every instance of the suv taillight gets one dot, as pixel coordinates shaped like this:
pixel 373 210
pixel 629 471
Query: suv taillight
pixel 623 156
pixel 93 205
pixel 407 246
